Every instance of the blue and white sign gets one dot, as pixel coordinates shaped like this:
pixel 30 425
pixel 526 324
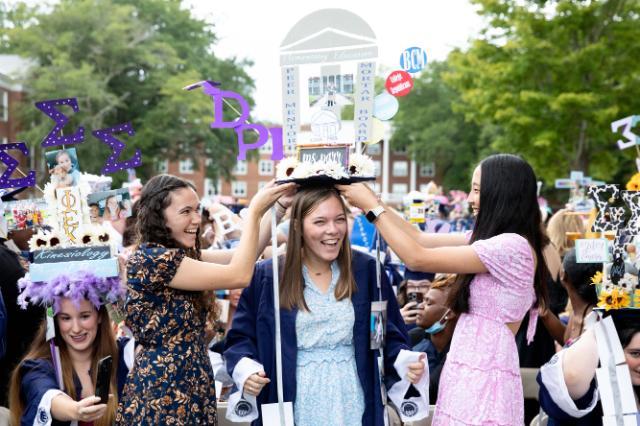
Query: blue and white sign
pixel 413 59
pixel 103 268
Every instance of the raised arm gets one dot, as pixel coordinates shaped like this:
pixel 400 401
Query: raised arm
pixel 552 323
pixel 458 259
pixel 219 256
pixel 196 275
pixel 89 409
pixel 223 257
pixel 265 225
pixel 580 363
pixel 554 326
pixel 452 260
pixel 424 239
pixel 42 397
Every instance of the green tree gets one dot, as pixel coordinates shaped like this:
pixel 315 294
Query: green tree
pixel 433 132
pixel 126 61
pixel 549 77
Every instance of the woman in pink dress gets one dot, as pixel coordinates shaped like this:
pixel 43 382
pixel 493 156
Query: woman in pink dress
pixel 501 269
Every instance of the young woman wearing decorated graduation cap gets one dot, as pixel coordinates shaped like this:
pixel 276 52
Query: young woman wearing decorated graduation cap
pixel 330 373
pixel 169 296
pixel 83 334
pixel 501 273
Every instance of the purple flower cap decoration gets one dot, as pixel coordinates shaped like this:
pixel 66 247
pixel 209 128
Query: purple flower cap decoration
pixel 77 287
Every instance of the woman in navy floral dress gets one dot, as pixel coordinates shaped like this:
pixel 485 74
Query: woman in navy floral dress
pixel 169 284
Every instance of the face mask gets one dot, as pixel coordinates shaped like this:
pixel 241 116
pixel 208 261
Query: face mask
pixel 438 326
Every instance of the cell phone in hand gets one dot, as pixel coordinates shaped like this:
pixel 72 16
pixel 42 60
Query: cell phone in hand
pixel 415 296
pixel 104 379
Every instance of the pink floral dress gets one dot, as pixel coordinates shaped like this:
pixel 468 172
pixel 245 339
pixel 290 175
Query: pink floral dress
pixel 480 383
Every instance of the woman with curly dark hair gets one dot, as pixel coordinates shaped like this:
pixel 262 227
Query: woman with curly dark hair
pixel 169 284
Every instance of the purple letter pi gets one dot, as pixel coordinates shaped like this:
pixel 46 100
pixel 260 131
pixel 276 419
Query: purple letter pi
pixel 240 124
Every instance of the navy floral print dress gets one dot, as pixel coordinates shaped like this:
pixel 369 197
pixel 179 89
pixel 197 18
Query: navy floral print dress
pixel 172 381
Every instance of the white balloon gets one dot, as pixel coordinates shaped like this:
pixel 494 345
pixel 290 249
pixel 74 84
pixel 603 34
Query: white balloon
pixel 385 106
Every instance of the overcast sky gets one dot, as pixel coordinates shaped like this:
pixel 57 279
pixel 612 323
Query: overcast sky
pixel 254 29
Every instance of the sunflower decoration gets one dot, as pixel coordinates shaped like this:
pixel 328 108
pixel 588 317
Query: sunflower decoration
pixel 101 235
pixel 614 299
pixel 597 278
pixel 286 167
pixel 43 240
pixel 636 298
pixel 38 241
pixel 88 237
pixel 361 165
pixel 634 183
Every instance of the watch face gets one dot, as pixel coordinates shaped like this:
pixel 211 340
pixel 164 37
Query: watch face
pixel 371 216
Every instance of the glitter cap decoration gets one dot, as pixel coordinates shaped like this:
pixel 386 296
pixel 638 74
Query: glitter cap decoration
pixel 325 164
pixel 117 146
pixel 12 164
pixel 625 294
pixel 55 136
pixel 616 288
pixel 77 286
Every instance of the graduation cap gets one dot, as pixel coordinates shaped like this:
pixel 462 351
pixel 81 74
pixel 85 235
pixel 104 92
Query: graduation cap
pixel 325 165
pixel 7 194
pixel 417 275
pixel 324 181
pixel 623 317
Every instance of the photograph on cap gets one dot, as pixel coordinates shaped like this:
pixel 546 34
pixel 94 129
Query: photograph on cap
pixel 331 88
pixel 24 214
pixel 109 205
pixel 63 167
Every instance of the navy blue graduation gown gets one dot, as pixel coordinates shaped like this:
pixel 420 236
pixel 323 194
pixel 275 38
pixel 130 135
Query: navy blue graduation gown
pixel 253 335
pixel 39 377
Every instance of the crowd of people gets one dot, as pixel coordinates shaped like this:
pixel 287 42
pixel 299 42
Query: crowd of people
pixel 449 325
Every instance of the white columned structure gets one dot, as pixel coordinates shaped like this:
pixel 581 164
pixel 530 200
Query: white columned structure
pixel 413 173
pixel 385 167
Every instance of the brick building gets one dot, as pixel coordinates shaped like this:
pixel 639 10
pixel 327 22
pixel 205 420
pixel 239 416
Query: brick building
pixel 12 67
pixel 396 173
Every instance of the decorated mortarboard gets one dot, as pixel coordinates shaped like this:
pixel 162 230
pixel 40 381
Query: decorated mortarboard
pixel 617 216
pixel 75 286
pixel 623 295
pixel 70 254
pixel 417 275
pixel 325 164
pixel 615 387
pixel 72 257
pixel 8 194
pixel 617 308
pixel 618 290
pixel 623 317
pixel 322 73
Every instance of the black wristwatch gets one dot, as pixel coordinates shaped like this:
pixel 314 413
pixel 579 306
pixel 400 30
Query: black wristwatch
pixel 374 213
